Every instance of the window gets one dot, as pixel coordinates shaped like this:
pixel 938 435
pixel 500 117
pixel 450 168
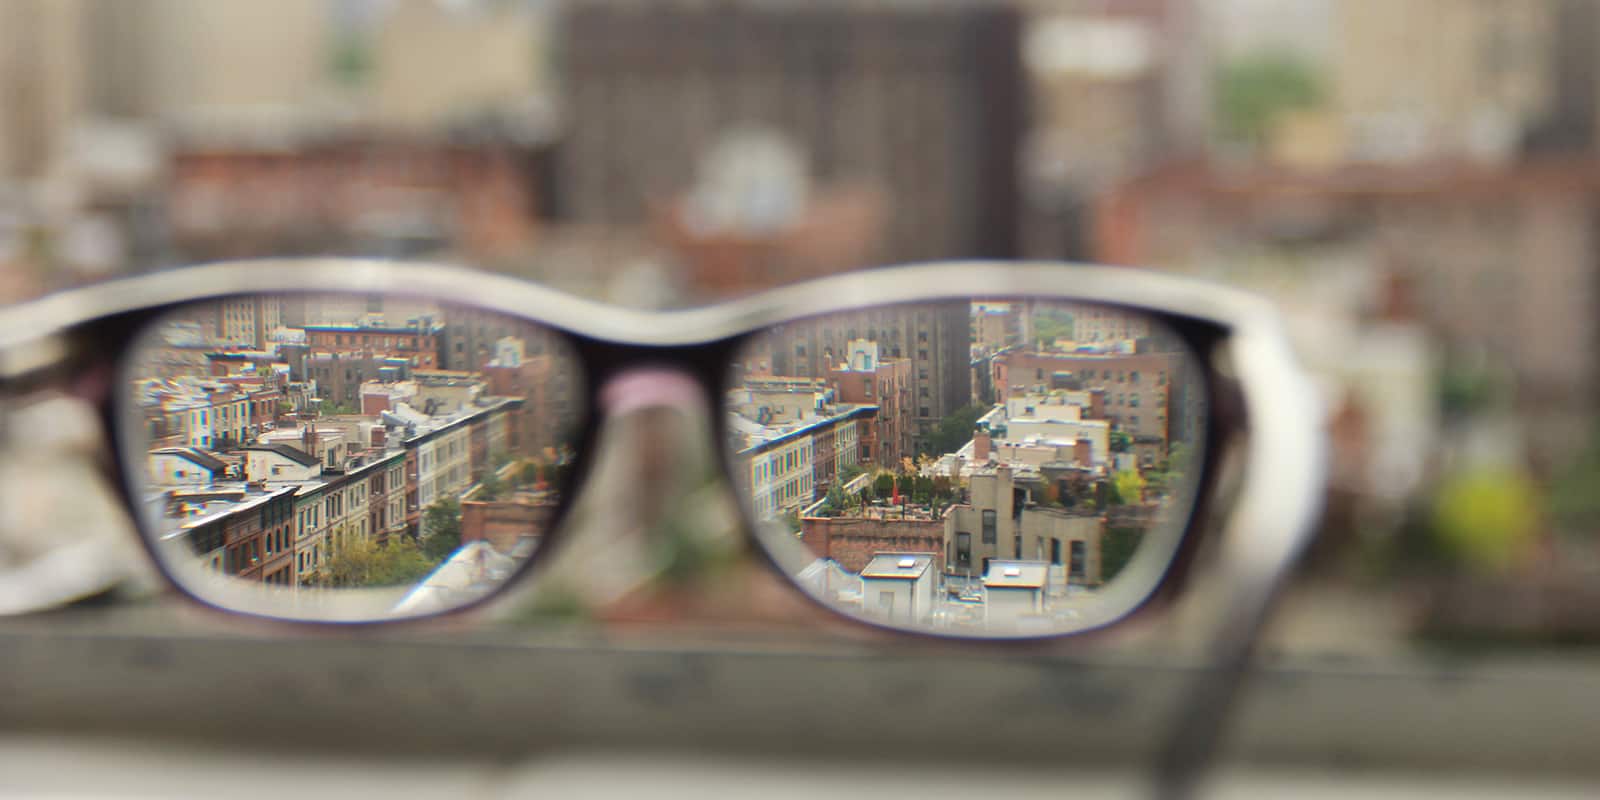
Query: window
pixel 1133 377
pixel 964 550
pixel 1076 568
pixel 922 354
pixel 989 526
pixel 1016 546
pixel 1133 400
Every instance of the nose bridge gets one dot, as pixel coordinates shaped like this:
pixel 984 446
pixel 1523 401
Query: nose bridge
pixel 638 388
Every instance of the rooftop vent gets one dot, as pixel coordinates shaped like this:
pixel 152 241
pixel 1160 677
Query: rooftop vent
pixel 907 563
pixel 1013 572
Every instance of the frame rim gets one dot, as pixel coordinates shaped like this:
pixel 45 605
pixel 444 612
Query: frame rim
pixel 584 323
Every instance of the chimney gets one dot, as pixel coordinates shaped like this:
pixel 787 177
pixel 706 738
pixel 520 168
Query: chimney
pixel 1084 453
pixel 379 437
pixel 980 447
pixel 1097 404
pixel 308 439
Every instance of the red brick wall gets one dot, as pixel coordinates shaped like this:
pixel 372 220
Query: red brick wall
pixel 503 522
pixel 853 541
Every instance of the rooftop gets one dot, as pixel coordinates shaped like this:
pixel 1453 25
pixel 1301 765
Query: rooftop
pixel 194 455
pixel 902 566
pixel 1016 574
pixel 293 454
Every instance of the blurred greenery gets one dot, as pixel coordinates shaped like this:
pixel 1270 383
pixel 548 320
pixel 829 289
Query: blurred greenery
pixel 366 563
pixel 1253 92
pixel 1050 325
pixel 442 523
pixel 1573 501
pixel 1485 518
pixel 954 431
pixel 1116 549
pixel 1121 441
pixel 1130 486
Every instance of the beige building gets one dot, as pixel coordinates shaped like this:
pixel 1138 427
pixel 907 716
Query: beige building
pixel 994 527
pixel 1440 77
pixel 243 67
pixel 438 62
pixel 43 79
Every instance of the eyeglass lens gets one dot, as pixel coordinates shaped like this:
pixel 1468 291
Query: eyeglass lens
pixel 348 457
pixel 987 467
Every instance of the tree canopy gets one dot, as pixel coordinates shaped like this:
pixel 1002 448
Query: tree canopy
pixel 1255 91
pixel 442 523
pixel 954 430
pixel 365 563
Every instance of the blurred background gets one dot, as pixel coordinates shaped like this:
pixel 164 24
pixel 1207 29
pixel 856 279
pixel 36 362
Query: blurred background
pixel 1416 184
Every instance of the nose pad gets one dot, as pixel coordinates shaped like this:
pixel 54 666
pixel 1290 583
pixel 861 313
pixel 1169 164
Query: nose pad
pixel 651 387
pixel 654 409
pixel 651 510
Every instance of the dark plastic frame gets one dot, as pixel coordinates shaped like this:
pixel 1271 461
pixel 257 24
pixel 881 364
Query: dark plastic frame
pixel 98 348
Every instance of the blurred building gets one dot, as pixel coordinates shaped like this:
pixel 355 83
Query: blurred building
pixel 1113 88
pixel 925 103
pixel 44 80
pixel 1440 78
pixel 243 67
pixel 436 64
pixel 1499 259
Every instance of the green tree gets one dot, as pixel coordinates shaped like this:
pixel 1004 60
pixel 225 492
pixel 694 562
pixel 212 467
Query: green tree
pixel 1130 486
pixel 1254 92
pixel 365 563
pixel 1574 503
pixel 1050 325
pixel 835 498
pixel 528 473
pixel 1121 442
pixel 954 430
pixel 441 523
pixel 1107 494
pixel 1485 518
pixel 883 485
pixel 490 487
pixel 1117 547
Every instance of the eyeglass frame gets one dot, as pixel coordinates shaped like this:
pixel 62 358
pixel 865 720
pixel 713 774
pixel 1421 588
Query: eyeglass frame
pixel 67 336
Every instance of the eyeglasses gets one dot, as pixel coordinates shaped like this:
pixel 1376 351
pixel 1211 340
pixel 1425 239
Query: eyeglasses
pixel 972 450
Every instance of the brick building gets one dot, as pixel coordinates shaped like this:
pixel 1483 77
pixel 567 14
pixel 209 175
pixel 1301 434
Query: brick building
pixel 318 195
pixel 888 384
pixel 509 526
pixel 853 541
pixel 1141 390
pixel 418 346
